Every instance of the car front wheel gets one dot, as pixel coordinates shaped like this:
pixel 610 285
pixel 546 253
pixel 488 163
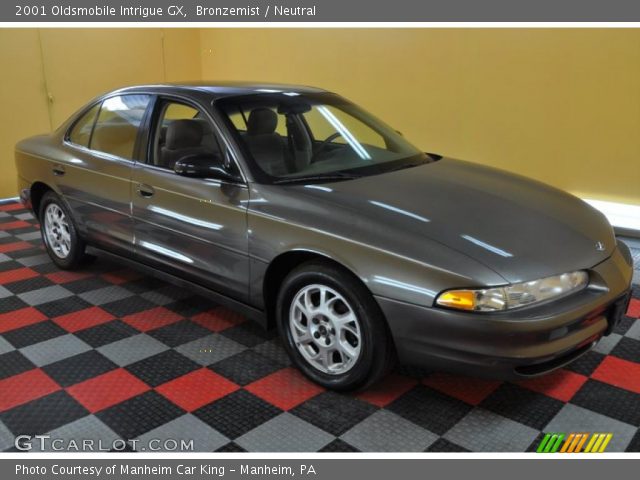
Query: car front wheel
pixel 332 327
pixel 64 245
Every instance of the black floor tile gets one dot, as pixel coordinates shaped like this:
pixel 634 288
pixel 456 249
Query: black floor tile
pixel 430 409
pixel 333 412
pixel 248 334
pixel 11 304
pixel 608 400
pixel 522 405
pixel 628 349
pixel 337 446
pixel 245 367
pixel 106 333
pixel 237 413
pixel 442 445
pixel 587 363
pixel 86 285
pixel 190 306
pixel 79 368
pixel 14 363
pixel 63 306
pixel 230 448
pixel 36 333
pixel 127 306
pixel 634 445
pixel 179 333
pixel 624 325
pixel 44 414
pixel 28 285
pixel 162 368
pixel 140 414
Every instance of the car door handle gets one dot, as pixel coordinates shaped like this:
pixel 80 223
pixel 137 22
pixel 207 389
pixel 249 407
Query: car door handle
pixel 58 170
pixel 144 190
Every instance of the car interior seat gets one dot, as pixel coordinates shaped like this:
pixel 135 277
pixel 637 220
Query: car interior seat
pixel 267 147
pixel 182 138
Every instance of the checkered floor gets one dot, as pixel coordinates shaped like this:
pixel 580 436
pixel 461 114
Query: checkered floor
pixel 106 353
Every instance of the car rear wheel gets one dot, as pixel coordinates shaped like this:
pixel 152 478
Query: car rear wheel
pixel 332 327
pixel 61 239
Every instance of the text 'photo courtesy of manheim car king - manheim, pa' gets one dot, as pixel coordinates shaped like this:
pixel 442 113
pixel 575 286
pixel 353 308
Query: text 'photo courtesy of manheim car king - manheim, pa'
pixel 304 212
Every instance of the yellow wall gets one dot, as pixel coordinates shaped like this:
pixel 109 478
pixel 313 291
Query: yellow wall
pixel 50 73
pixel 22 98
pixel 562 106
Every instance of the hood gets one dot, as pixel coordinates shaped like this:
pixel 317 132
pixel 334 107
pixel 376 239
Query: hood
pixel 520 228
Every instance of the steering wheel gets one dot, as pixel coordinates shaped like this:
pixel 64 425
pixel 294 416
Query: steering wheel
pixel 324 145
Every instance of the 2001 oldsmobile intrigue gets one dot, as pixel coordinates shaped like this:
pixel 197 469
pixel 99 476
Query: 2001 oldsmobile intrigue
pixel 302 210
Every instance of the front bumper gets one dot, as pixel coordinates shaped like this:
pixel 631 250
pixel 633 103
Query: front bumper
pixel 517 344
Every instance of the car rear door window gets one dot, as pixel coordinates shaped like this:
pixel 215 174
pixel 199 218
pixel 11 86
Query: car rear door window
pixel 117 126
pixel 81 132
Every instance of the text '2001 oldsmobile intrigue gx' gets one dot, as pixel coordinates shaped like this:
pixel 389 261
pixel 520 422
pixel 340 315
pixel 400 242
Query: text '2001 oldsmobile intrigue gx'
pixel 301 210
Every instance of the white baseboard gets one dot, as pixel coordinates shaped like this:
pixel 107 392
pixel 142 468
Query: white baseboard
pixel 620 215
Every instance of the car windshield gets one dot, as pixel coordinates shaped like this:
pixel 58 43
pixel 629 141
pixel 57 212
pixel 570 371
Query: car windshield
pixel 305 137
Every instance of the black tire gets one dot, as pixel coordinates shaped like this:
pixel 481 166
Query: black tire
pixel 376 352
pixel 76 254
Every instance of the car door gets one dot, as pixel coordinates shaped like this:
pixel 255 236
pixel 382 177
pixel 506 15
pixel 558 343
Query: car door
pixel 96 178
pixel 193 227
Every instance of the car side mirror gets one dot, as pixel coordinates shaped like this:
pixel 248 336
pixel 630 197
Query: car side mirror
pixel 203 166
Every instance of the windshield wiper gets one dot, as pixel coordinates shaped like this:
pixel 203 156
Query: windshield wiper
pixel 312 178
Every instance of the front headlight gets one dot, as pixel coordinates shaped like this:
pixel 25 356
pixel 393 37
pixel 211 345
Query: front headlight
pixel 515 295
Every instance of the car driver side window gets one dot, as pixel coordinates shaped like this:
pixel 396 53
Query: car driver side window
pixel 182 130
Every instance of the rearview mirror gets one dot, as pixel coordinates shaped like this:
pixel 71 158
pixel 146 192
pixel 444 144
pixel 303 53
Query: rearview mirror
pixel 203 166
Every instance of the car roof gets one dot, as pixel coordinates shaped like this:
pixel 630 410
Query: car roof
pixel 219 89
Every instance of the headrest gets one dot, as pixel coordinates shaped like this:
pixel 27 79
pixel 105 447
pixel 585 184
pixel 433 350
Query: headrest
pixel 184 134
pixel 262 121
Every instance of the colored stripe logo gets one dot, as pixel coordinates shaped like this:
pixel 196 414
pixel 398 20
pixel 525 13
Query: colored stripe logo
pixel 574 442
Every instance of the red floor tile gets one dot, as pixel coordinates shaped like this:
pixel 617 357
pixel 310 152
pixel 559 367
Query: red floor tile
pixel 196 389
pixel 152 319
pixel 14 246
pixel 9 207
pixel 20 318
pixel 25 387
pixel 16 275
pixel 561 384
pixel 286 388
pixel 620 373
pixel 218 319
pixel 467 389
pixel 387 390
pixel 89 317
pixel 121 276
pixel 65 276
pixel 107 389
pixel 14 225
pixel 634 308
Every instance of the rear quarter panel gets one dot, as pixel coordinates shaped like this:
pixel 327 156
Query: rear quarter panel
pixel 34 160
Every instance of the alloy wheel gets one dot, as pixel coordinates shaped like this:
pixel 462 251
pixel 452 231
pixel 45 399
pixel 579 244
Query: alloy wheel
pixel 325 329
pixel 56 228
